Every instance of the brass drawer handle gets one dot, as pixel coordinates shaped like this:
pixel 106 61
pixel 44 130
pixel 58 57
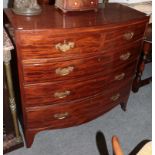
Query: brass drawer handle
pixel 65 46
pixel 62 94
pixel 61 115
pixel 64 71
pixel 128 35
pixel 120 76
pixel 115 97
pixel 125 56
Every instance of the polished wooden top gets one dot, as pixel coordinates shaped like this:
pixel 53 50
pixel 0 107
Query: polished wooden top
pixel 112 13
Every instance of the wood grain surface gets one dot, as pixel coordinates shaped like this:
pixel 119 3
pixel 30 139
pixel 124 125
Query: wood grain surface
pixel 75 67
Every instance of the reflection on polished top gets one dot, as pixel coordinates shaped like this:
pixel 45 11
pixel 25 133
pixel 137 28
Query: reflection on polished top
pixel 112 13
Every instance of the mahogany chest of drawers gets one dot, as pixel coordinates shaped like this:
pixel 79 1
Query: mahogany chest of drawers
pixel 75 67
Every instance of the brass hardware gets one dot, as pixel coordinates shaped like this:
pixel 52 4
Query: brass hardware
pixel 62 94
pixel 64 71
pixel 7 47
pixel 145 57
pixel 7 58
pixel 19 140
pixel 61 115
pixel 115 97
pixel 125 56
pixel 120 76
pixel 64 47
pixel 12 105
pixel 128 35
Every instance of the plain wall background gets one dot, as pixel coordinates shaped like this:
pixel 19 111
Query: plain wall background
pixel 5 2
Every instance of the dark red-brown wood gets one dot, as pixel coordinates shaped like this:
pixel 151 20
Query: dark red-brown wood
pixel 46 2
pixel 103 61
pixel 36 94
pixel 146 57
pixel 78 111
pixel 44 70
pixel 50 18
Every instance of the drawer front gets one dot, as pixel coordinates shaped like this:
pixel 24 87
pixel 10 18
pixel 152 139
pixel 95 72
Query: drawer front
pixel 66 70
pixel 66 115
pixel 82 44
pixel 65 45
pixel 66 91
pixel 123 36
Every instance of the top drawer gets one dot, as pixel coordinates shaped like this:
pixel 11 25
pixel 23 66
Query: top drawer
pixel 44 44
pixel 123 36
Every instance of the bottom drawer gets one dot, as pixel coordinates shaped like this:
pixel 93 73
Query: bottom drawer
pixel 77 112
